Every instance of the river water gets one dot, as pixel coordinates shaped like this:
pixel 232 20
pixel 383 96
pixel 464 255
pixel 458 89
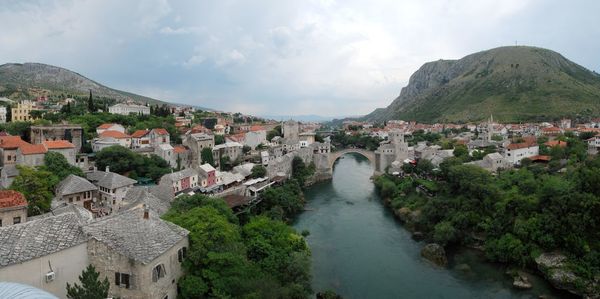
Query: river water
pixel 359 250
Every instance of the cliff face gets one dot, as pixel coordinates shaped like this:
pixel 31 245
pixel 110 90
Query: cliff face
pixel 513 83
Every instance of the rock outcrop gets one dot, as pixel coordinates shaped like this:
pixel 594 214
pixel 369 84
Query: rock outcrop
pixel 435 253
pixel 556 270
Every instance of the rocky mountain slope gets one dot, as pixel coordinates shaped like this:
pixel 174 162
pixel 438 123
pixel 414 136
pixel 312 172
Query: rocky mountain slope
pixel 34 79
pixel 516 83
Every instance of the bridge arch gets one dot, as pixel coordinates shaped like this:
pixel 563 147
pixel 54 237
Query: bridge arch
pixel 333 156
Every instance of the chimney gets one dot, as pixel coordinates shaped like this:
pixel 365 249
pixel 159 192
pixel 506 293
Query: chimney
pixel 107 168
pixel 146 212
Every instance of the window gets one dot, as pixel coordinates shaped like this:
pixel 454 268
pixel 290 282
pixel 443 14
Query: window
pixel 16 220
pixel 182 254
pixel 0 222
pixel 78 198
pixel 122 280
pixel 158 272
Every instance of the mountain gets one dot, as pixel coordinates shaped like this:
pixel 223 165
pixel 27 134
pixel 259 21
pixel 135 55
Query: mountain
pixel 303 117
pixel 516 83
pixel 34 79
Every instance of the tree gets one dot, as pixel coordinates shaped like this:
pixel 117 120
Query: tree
pixel 57 163
pixel 35 114
pixel 461 151
pixel 219 139
pixel 37 186
pixel 91 286
pixel 91 107
pixel 246 149
pixel 258 171
pixel 207 156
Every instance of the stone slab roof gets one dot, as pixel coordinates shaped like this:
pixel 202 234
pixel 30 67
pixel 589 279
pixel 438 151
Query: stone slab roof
pixel 109 180
pixel 138 196
pixel 74 184
pixel 37 238
pixel 135 237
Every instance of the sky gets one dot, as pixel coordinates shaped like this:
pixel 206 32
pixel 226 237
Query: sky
pixel 282 57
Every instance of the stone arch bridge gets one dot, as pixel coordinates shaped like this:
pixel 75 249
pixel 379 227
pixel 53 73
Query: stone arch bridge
pixel 333 156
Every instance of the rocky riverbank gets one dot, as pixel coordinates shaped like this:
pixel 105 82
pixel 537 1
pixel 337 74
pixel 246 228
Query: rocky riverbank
pixel 552 266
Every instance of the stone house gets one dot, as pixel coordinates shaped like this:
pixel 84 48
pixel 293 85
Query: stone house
pixel 181 180
pixel 110 127
pixel 45 253
pixel 112 188
pixel 196 142
pixel 207 175
pixel 257 135
pixel 138 252
pixel 63 147
pixel 76 190
pixel 233 150
pixel 167 152
pixel 109 138
pixel 8 149
pixel 493 162
pixel 71 133
pixel 140 139
pixel 182 156
pixel 306 138
pixel 159 136
pixel 31 155
pixel 21 112
pixel 13 208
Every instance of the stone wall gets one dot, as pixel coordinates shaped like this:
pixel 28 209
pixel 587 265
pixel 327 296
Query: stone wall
pixel 284 164
pixel 108 262
pixel 67 265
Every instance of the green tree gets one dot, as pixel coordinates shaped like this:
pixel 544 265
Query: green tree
pixel 219 139
pixel 207 156
pixel 258 171
pixel 57 163
pixel 37 186
pixel 461 151
pixel 91 107
pixel 91 286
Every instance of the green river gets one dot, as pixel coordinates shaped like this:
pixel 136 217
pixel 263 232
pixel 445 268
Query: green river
pixel 359 250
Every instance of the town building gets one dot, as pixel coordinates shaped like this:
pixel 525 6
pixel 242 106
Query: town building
pixel 515 152
pixel 196 142
pixel 180 181
pixel 290 130
pixel 110 138
pixel 112 188
pixel 63 147
pixel 71 133
pixel 594 145
pixel 159 136
pixel 493 162
pixel 207 176
pixel 110 127
pixel 13 208
pixel 45 253
pixel 31 155
pixel 182 156
pixel 139 253
pixel 232 150
pixel 78 191
pixel 167 152
pixel 140 139
pixel 2 114
pixel 126 109
pixel 22 111
pixel 307 138
pixel 257 135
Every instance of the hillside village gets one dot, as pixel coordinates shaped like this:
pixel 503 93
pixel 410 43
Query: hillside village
pixel 109 218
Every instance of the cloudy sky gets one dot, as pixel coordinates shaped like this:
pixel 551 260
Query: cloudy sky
pixel 323 57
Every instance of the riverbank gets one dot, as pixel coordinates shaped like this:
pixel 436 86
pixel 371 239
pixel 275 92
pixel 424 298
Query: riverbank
pixel 424 214
pixel 359 249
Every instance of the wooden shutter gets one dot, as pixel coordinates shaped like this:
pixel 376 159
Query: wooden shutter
pixel 117 278
pixel 125 280
pixel 155 274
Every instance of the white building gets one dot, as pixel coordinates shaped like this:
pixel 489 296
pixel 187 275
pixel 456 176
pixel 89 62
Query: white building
pixel 110 127
pixel 515 152
pixel 2 114
pixel 126 109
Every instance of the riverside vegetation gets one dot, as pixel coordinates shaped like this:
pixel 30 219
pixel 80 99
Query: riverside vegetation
pixel 544 217
pixel 252 255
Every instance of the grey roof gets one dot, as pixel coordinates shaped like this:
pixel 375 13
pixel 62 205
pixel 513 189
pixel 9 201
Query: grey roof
pixel 74 184
pixel 129 234
pixel 109 180
pixel 37 238
pixel 138 196
pixel 82 213
pixel 178 175
pixel 22 291
pixel 164 192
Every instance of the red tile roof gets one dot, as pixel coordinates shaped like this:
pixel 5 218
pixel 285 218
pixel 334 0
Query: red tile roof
pixel 542 158
pixel 11 199
pixel 114 134
pixel 514 146
pixel 11 142
pixel 139 133
pixel 33 149
pixel 553 143
pixel 160 131
pixel 57 144
pixel 105 126
pixel 257 128
pixel 178 149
